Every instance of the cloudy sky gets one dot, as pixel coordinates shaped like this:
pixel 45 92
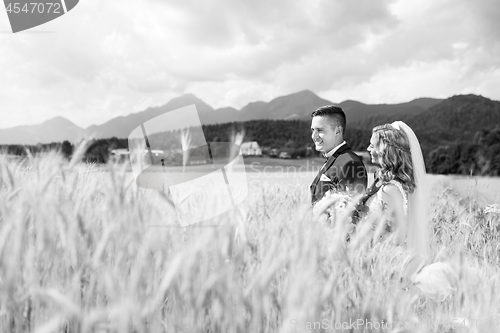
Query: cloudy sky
pixel 109 58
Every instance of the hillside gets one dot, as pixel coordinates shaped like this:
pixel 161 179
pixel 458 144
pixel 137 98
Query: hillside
pixel 121 127
pixel 57 129
pixel 457 118
pixel 366 116
pixel 293 106
pixel 435 121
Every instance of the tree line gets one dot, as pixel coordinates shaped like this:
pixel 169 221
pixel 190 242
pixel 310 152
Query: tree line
pixel 479 156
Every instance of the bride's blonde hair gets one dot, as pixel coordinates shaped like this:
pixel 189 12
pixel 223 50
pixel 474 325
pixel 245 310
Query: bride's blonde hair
pixel 395 156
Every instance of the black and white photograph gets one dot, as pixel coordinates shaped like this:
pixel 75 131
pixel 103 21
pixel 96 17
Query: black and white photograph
pixel 249 166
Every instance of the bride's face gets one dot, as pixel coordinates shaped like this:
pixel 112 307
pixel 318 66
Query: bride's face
pixel 372 149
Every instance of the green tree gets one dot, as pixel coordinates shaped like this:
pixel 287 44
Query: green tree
pixel 67 149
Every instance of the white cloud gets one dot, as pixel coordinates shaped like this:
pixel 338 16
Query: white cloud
pixel 113 58
pixel 439 80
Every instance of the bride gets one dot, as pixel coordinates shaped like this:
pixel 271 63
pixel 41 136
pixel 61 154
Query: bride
pixel 395 206
pixel 399 189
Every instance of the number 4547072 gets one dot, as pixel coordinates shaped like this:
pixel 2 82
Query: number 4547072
pixel 33 7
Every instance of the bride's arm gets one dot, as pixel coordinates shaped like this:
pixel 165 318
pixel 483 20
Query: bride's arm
pixel 393 203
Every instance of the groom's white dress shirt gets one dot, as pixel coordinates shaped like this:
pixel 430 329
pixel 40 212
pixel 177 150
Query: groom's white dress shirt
pixel 331 152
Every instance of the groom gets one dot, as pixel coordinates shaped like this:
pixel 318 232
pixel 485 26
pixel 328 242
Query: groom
pixel 343 170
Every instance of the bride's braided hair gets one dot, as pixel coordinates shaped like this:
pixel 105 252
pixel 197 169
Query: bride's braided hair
pixel 395 156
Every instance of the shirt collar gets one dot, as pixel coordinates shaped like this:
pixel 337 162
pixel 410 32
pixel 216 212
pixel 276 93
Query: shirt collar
pixel 331 152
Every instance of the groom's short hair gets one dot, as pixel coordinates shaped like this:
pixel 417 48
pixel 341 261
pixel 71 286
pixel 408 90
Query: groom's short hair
pixel 335 113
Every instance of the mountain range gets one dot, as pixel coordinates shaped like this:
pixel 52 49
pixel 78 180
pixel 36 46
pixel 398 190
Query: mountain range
pixel 428 116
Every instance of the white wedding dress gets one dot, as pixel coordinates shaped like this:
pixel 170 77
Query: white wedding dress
pixel 376 205
pixel 434 280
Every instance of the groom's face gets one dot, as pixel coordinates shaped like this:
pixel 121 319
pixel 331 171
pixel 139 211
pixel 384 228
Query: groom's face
pixel 325 134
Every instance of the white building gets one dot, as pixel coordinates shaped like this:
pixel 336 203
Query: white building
pixel 251 148
pixel 122 152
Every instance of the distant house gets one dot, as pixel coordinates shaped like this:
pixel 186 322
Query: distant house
pixel 251 148
pixel 121 155
pixel 121 152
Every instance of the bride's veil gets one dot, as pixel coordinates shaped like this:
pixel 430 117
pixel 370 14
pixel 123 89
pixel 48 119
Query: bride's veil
pixel 417 237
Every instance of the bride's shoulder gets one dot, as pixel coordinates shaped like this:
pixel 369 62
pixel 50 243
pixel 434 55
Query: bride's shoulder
pixel 393 189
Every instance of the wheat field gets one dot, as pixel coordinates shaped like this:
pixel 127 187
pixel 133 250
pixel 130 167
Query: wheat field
pixel 82 249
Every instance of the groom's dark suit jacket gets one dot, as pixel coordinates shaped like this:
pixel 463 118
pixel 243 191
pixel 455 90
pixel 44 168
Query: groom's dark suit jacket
pixel 344 171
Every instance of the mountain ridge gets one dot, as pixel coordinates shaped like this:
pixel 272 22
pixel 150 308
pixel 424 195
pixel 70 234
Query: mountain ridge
pixel 297 106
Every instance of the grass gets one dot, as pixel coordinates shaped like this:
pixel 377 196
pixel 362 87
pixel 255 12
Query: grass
pixel 81 251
